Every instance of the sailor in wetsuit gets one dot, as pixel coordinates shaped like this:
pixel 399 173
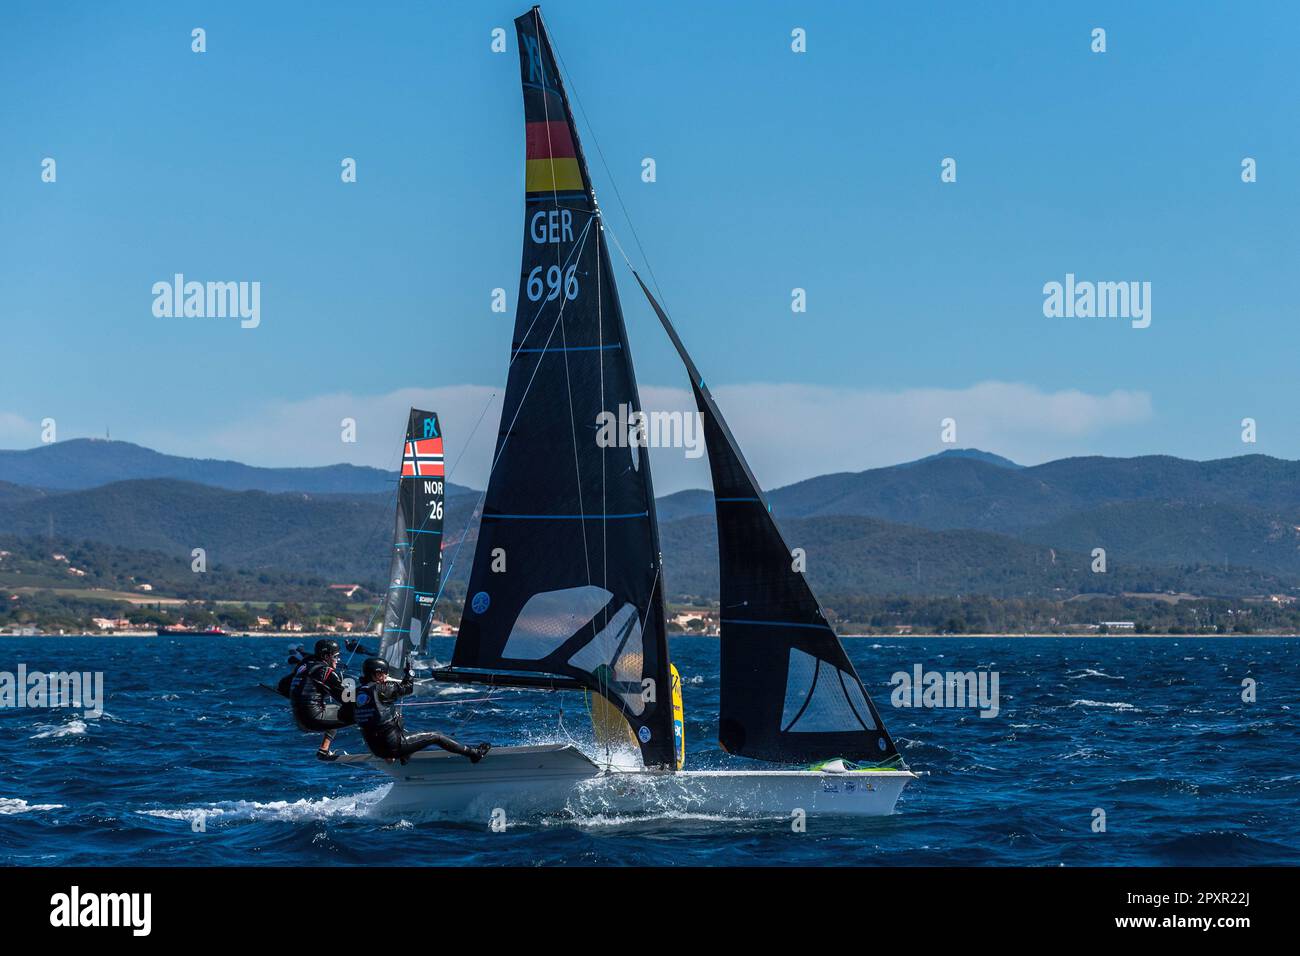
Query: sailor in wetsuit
pixel 298 656
pixel 316 692
pixel 380 721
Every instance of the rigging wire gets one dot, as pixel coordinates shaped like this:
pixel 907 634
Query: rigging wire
pixel 501 451
pixel 428 623
pixel 591 130
pixel 568 380
pixel 515 353
pixel 571 87
pixel 593 217
pixel 371 620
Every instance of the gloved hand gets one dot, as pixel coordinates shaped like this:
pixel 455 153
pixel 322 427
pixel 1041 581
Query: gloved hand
pixel 352 644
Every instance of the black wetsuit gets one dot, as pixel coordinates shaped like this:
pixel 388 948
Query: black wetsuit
pixel 296 659
pixel 380 723
pixel 316 693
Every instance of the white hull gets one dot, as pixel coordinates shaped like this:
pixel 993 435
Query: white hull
pixel 559 780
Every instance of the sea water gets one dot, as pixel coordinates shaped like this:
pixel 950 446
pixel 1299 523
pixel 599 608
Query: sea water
pixel 1103 751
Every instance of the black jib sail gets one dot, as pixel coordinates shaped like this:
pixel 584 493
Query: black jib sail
pixel 789 692
pixel 417 540
pixel 566 574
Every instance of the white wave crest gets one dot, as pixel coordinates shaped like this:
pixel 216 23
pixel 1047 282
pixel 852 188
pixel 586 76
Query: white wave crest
pixel 1112 704
pixel 1089 672
pixel 10 806
pixel 72 728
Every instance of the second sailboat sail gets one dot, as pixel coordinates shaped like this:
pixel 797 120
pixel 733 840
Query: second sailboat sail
pixel 566 574
pixel 789 692
pixel 417 540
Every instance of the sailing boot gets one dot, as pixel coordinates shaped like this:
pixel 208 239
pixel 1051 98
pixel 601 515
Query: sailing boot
pixel 477 752
pixel 323 754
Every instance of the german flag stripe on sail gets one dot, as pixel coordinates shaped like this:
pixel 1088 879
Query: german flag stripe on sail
pixel 549 140
pixel 552 164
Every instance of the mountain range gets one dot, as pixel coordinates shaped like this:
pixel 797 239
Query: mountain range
pixel 91 462
pixel 961 522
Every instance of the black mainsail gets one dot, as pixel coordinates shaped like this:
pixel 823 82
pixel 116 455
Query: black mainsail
pixel 566 575
pixel 788 690
pixel 417 540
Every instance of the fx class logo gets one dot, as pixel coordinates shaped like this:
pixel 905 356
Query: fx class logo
pixel 431 428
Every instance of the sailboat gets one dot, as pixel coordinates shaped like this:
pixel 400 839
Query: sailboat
pixel 416 565
pixel 566 589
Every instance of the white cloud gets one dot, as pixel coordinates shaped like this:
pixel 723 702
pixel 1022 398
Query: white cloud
pixel 309 432
pixel 788 432
pixel 792 432
pixel 17 431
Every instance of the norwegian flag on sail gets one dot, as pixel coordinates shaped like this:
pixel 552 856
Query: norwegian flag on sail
pixel 423 458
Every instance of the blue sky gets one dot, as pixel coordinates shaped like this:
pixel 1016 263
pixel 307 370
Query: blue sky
pixel 775 170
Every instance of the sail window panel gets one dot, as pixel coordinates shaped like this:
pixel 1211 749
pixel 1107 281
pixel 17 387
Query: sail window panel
pixel 615 657
pixel 817 699
pixel 550 618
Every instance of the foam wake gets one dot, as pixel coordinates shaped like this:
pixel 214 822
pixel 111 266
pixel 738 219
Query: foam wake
pixel 286 811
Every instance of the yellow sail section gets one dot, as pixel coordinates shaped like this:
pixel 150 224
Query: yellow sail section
pixel 679 717
pixel 613 732
pixel 552 175
pixel 612 729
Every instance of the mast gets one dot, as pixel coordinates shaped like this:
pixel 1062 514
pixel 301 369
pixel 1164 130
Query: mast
pixel 789 691
pixel 417 540
pixel 566 578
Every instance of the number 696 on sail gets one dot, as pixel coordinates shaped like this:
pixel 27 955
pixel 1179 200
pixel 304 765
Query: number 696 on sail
pixel 536 288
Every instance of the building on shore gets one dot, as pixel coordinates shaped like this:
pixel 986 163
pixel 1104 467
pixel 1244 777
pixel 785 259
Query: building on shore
pixel 111 623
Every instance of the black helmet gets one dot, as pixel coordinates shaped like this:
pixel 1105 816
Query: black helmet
pixel 325 647
pixel 373 666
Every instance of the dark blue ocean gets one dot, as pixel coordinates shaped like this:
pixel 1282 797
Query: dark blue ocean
pixel 1152 731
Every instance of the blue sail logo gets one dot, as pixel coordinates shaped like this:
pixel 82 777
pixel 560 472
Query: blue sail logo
pixel 535 72
pixel 431 428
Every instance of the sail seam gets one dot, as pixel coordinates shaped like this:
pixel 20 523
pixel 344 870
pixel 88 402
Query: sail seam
pixel 575 348
pixel 812 689
pixel 849 699
pixel 577 517
pixel 815 627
